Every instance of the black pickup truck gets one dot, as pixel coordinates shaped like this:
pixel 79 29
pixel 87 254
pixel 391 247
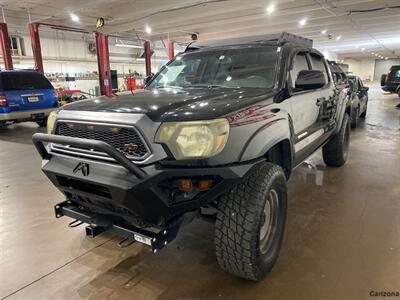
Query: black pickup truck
pixel 217 131
pixel 391 82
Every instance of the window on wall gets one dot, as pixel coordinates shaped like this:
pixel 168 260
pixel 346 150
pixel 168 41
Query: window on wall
pixel 17 46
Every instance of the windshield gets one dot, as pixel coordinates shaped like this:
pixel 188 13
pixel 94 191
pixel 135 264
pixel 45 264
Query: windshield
pixel 14 81
pixel 394 74
pixel 253 67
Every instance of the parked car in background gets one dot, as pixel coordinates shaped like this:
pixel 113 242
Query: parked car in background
pixel 391 82
pixel 25 96
pixel 359 99
pixel 339 76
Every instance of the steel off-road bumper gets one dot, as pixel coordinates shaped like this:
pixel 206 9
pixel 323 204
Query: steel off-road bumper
pixel 123 193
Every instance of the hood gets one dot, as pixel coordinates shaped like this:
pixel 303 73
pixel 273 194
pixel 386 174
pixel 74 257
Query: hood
pixel 176 104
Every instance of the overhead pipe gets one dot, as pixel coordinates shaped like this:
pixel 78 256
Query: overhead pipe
pixel 5 46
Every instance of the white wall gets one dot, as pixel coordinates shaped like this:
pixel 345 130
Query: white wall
pixel 364 68
pixel 68 53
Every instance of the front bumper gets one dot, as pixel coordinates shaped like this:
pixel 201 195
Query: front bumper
pixel 26 114
pixel 392 87
pixel 122 189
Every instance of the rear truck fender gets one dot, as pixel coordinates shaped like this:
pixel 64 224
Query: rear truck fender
pixel 343 107
pixel 272 140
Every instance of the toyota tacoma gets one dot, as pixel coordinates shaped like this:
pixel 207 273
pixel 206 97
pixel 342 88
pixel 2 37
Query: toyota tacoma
pixel 217 131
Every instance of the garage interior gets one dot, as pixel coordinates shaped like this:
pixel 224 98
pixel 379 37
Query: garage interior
pixel 343 224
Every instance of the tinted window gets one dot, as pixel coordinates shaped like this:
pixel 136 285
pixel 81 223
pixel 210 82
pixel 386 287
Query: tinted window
pixel 394 74
pixel 317 63
pixel 13 81
pixel 253 67
pixel 299 64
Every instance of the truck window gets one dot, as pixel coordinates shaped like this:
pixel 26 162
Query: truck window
pixel 299 64
pixel 317 63
pixel 244 67
pixel 14 81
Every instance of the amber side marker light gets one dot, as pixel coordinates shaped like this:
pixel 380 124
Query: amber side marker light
pixel 205 184
pixel 185 185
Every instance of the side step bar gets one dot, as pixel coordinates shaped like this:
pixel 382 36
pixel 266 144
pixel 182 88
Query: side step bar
pixel 98 224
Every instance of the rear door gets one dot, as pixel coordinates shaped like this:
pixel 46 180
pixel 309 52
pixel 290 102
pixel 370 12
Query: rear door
pixel 327 101
pixel 26 90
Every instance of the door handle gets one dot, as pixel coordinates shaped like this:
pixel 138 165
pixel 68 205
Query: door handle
pixel 320 101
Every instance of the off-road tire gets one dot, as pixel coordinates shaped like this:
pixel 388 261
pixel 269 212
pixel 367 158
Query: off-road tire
pixel 354 117
pixel 364 113
pixel 241 217
pixel 335 152
pixel 42 122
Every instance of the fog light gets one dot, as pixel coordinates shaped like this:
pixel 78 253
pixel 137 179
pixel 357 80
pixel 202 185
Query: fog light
pixel 186 185
pixel 205 184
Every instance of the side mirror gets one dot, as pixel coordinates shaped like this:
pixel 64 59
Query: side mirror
pixel 147 79
pixel 310 80
pixel 365 89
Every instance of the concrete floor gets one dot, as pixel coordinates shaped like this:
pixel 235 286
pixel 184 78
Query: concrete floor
pixel 342 239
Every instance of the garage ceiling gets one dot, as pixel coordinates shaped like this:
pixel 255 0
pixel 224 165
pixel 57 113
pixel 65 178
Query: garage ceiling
pixel 353 34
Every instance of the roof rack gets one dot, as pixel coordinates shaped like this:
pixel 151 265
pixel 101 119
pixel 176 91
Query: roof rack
pixel 277 38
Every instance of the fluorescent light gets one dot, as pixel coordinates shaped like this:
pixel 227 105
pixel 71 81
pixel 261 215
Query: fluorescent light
pixel 324 31
pixel 362 49
pixel 147 28
pixel 74 17
pixel 302 22
pixel 339 37
pixel 270 9
pixel 128 46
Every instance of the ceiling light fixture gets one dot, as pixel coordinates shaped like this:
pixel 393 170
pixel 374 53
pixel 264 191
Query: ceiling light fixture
pixel 270 9
pixel 324 31
pixel 147 28
pixel 303 22
pixel 74 17
pixel 339 37
pixel 362 49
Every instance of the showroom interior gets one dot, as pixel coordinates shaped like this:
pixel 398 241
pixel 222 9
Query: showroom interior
pixel 164 149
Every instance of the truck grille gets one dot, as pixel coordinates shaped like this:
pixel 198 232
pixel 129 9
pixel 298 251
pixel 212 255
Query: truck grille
pixel 125 139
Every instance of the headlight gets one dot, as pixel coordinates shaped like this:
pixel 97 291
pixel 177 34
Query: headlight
pixel 196 139
pixel 51 121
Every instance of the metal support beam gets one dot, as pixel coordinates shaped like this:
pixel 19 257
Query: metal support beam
pixel 103 63
pixel 147 57
pixel 171 50
pixel 5 46
pixel 36 48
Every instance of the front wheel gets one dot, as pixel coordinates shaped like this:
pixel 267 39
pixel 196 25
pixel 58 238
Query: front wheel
pixel 335 152
pixel 250 223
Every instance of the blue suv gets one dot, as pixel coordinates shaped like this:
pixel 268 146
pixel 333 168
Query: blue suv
pixel 25 96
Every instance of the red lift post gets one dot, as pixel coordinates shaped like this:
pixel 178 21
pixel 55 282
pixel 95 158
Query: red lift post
pixel 103 63
pixel 171 53
pixel 147 57
pixel 5 46
pixel 103 59
pixel 36 48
